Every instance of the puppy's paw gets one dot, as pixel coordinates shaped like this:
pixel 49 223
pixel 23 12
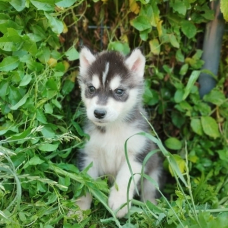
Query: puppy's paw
pixel 116 200
pixel 84 202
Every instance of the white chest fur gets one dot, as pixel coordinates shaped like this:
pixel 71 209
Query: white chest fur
pixel 107 149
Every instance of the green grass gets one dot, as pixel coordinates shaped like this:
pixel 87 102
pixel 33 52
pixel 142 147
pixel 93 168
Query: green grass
pixel 53 204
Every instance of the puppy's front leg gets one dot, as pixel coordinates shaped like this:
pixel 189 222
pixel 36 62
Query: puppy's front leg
pixel 84 202
pixel 118 195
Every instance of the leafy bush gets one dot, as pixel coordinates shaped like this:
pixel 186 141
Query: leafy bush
pixel 41 114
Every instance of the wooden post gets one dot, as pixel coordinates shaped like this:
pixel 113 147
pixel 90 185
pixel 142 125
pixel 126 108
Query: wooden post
pixel 211 49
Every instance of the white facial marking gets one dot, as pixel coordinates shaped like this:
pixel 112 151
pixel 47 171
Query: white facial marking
pixel 96 81
pixel 105 73
pixel 115 82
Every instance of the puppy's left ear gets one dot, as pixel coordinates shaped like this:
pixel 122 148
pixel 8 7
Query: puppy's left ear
pixel 136 62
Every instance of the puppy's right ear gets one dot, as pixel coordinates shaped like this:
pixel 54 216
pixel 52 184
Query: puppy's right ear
pixel 136 62
pixel 86 58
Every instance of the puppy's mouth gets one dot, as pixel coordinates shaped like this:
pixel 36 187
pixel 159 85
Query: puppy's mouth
pixel 100 122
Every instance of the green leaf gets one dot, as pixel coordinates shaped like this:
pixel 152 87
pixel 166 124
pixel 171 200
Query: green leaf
pixel 33 161
pixel 224 9
pixel 203 108
pixel 223 154
pixel 41 187
pixel 179 7
pixel 144 1
pixel 78 128
pixel 173 41
pixel 48 132
pixel 184 69
pixel 180 163
pixel 150 96
pixel 14 95
pixel 72 54
pixel 5 24
pixel 6 6
pixel 4 88
pixel 20 102
pixel 52 84
pixel 186 106
pixel 210 127
pixel 48 108
pixel 67 87
pixel 198 54
pixel 44 5
pixel 65 3
pixel 39 33
pixel 4 17
pixel 21 135
pixel 65 181
pixel 22 216
pixel 145 34
pixel 119 46
pixel 29 45
pixel 44 54
pixel 18 5
pixel 178 118
pixel 215 96
pixel 56 103
pixel 40 116
pixel 9 63
pixel 209 14
pixel 192 79
pixel 173 143
pixel 25 80
pixel 11 41
pixel 55 24
pixel 47 147
pixel 129 225
pixel 194 63
pixel 154 46
pixel 141 23
pixel 178 96
pixel 196 126
pixel 152 12
pixel 188 28
pixel 34 65
pixel 179 56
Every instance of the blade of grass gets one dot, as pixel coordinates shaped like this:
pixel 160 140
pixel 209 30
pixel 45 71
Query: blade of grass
pixel 9 168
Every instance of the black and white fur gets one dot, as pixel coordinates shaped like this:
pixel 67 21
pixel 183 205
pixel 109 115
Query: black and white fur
pixel 111 89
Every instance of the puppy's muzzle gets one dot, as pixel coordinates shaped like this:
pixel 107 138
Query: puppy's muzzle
pixel 99 113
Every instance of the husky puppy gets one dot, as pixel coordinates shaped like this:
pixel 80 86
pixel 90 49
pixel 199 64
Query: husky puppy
pixel 111 89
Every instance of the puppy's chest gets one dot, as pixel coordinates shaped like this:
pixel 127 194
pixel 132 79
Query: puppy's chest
pixel 107 148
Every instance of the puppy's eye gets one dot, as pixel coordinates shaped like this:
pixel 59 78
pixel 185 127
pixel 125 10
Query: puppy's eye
pixel 92 89
pixel 119 92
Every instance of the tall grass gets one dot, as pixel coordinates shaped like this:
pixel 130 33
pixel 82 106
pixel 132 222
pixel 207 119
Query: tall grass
pixel 182 212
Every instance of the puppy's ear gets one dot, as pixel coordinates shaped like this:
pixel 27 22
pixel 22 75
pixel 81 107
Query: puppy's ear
pixel 136 62
pixel 86 58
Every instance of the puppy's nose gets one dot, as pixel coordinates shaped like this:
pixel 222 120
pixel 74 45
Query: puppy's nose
pixel 99 113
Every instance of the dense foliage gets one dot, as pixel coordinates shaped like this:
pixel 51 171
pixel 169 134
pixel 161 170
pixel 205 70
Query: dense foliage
pixel 41 114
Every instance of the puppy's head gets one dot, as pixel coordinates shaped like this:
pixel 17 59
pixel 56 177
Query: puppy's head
pixel 111 84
